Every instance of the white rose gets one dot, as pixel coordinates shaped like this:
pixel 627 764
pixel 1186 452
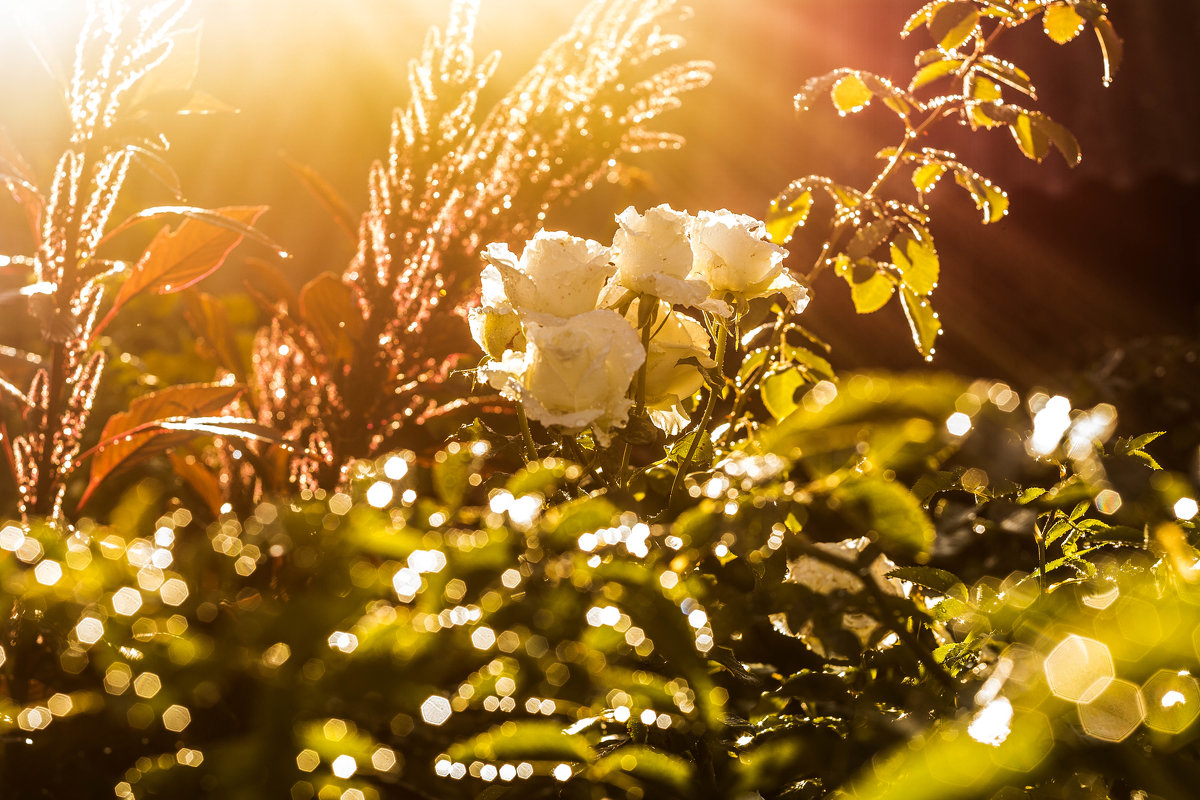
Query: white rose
pixel 733 256
pixel 653 256
pixel 573 374
pixel 557 275
pixel 675 337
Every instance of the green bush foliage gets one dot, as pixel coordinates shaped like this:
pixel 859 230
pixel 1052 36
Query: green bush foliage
pixel 779 581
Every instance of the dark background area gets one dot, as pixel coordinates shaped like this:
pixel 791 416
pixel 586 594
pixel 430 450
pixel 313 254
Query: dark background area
pixel 1087 260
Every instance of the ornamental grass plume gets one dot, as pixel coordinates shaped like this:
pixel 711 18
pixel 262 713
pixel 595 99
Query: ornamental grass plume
pixel 455 177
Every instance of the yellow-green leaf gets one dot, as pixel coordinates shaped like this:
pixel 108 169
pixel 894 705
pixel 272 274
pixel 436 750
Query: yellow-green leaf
pixel 985 90
pixel 1062 23
pixel 779 392
pixel 926 176
pixel 850 94
pixel 869 237
pixel 872 294
pixel 931 72
pixel 1032 141
pixel 922 321
pixel 989 198
pixel 891 511
pixel 782 220
pixel 917 262
pixel 526 739
pixel 953 24
pixel 1112 49
pixel 647 764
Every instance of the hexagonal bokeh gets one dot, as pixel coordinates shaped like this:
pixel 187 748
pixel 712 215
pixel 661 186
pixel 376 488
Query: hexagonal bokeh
pixel 1115 713
pixel 1078 669
pixel 1139 622
pixel 1172 700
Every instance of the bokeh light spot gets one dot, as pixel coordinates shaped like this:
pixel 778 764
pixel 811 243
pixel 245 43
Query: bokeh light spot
pixel 1078 669
pixel 344 766
pixel 1114 713
pixel 435 710
pixel 48 572
pixel 147 685
pixel 1172 701
pixel 127 601
pixel 176 718
pixel 1186 508
pixel 307 760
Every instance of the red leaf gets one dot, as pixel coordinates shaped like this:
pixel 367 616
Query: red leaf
pixel 327 306
pixel 138 432
pixel 178 258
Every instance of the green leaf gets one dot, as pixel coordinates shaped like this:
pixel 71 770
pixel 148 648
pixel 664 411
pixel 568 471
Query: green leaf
pixel 1140 442
pixel 764 767
pixel 937 580
pixel 1112 49
pixel 524 740
pixel 873 293
pixel 754 360
pixel 1033 142
pixel 1060 137
pixel 984 90
pixel 932 483
pixel 703 457
pixel 869 237
pixel 1035 133
pixel 779 392
pixel 926 176
pixel 647 764
pixel 953 24
pixel 932 72
pixel 782 220
pixel 892 512
pixel 917 262
pixel 1062 23
pixel 989 198
pixel 810 361
pixel 850 94
pixel 1007 73
pixel 951 608
pixel 565 523
pixel 922 321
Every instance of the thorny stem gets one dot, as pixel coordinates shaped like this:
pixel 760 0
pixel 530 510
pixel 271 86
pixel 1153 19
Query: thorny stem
pixel 702 428
pixel 1040 537
pixel 573 450
pixel 639 398
pixel 743 397
pixel 531 452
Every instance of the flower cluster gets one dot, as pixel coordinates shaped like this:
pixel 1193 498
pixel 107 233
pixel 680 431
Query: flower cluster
pixel 579 333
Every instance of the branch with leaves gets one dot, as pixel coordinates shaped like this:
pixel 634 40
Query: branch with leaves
pixel 880 241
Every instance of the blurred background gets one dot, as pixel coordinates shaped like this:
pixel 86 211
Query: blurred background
pixel 1090 262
